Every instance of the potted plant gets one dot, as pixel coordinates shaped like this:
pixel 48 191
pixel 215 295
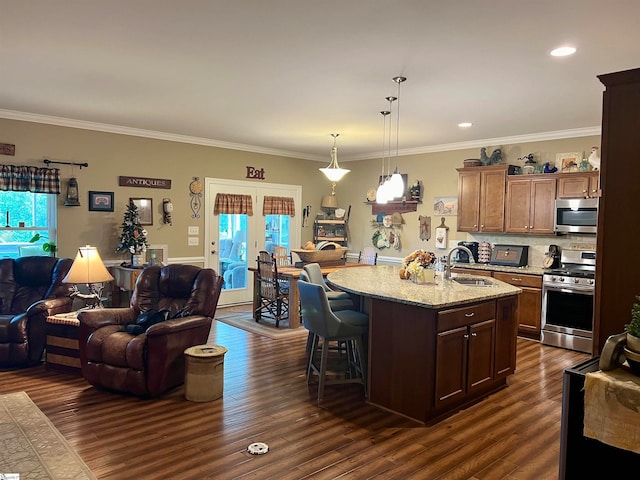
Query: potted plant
pixel 48 247
pixel 633 327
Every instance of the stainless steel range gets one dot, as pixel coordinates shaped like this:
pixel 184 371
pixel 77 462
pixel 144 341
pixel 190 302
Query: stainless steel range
pixel 567 301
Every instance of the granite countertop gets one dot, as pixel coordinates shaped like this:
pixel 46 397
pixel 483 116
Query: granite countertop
pixel 497 268
pixel 383 282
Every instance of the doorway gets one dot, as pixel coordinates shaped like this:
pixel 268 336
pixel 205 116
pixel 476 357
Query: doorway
pixel 233 240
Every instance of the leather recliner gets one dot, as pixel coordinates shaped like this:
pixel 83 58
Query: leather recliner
pixel 152 362
pixel 31 290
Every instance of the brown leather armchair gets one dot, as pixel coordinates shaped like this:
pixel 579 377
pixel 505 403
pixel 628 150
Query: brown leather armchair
pixel 31 289
pixel 152 362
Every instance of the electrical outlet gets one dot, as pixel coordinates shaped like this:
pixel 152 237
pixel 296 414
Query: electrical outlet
pixel 193 241
pixel 194 230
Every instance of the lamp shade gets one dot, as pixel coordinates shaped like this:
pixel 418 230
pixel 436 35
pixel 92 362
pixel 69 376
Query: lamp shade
pixel 333 172
pixel 329 201
pixel 87 267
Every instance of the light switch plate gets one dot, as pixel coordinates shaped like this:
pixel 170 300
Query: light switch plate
pixel 193 241
pixel 194 230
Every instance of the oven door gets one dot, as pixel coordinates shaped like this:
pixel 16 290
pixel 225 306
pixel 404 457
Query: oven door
pixel 568 310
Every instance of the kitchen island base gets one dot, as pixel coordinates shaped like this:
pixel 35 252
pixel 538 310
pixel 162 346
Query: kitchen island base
pixel 426 364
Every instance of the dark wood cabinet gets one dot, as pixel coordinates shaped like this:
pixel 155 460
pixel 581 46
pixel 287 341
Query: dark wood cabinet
pixel 465 353
pixel 530 204
pixel 579 185
pixel 618 265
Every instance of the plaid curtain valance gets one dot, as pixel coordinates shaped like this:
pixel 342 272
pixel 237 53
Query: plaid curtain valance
pixel 279 206
pixel 22 178
pixel 232 203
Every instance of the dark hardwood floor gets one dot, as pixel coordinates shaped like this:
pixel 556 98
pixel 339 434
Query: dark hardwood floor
pixel 514 434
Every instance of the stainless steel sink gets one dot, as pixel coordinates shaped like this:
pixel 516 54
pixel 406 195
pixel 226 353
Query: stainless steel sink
pixel 473 282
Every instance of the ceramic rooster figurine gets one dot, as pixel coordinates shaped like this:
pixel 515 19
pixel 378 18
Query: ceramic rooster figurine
pixel 495 157
pixel 549 169
pixel 594 158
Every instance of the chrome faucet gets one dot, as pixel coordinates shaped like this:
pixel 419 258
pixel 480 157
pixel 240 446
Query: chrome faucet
pixel 447 267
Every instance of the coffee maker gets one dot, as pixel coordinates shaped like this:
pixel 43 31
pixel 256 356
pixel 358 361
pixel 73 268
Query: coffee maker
pixel 463 257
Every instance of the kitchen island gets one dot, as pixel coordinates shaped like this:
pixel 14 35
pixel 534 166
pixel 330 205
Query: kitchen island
pixel 433 348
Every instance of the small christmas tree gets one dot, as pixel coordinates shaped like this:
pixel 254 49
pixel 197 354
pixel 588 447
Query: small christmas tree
pixel 134 238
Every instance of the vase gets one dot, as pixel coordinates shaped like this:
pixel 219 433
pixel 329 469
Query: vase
pixel 137 261
pixel 424 275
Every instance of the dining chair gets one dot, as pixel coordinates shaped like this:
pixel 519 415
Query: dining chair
pixel 368 256
pixel 282 256
pixel 273 292
pixel 349 327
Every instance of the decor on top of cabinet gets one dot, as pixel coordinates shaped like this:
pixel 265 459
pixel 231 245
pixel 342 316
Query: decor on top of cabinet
pixel 549 169
pixel 594 158
pixel 568 162
pixel 632 329
pixel 495 157
pixel 529 164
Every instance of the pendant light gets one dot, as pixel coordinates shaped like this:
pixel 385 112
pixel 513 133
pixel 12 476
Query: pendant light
pixel 396 183
pixel 333 172
pixel 381 196
pixel 383 193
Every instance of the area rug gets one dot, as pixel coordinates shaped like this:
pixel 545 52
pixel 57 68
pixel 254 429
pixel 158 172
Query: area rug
pixel 242 318
pixel 31 446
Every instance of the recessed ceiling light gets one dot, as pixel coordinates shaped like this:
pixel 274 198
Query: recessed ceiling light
pixel 563 51
pixel 465 124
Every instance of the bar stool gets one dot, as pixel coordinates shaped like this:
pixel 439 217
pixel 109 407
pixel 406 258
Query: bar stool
pixel 348 326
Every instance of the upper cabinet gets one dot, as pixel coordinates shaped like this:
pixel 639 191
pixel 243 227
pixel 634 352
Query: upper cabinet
pixel 481 198
pixel 579 185
pixel 530 204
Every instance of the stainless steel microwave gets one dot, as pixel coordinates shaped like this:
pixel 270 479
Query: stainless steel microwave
pixel 576 215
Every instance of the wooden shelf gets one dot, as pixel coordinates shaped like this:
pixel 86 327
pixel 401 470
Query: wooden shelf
pixel 394 206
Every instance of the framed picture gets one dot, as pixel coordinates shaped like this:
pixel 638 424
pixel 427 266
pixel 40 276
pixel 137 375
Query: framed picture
pixel 145 210
pixel 568 162
pixel 101 201
pixel 445 205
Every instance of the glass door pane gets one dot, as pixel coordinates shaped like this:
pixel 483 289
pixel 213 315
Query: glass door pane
pixel 232 264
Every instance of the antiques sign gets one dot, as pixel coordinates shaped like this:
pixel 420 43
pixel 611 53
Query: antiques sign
pixel 144 182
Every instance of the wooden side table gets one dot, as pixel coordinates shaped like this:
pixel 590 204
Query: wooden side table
pixel 124 279
pixel 62 343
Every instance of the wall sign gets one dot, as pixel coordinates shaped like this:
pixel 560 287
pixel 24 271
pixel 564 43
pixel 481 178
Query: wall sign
pixel 255 173
pixel 144 182
pixel 7 149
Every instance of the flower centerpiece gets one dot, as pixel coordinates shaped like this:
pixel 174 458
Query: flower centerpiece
pixel 414 264
pixel 133 239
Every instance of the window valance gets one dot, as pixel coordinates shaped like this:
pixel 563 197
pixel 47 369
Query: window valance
pixel 279 206
pixel 23 178
pixel 232 203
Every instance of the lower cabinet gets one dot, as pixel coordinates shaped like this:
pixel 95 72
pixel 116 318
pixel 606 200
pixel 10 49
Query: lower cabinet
pixel 530 303
pixel 465 352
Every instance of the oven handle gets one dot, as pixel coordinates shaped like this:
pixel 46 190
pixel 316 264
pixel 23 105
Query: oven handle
pixel 580 290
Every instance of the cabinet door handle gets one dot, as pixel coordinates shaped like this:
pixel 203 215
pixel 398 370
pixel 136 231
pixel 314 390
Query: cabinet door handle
pixel 525 227
pixel 466 335
pixel 482 226
pixel 469 314
pixel 530 227
pixel 513 279
pixel 474 334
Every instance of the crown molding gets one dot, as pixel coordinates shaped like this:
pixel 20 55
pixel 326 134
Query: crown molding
pixel 171 137
pixel 138 132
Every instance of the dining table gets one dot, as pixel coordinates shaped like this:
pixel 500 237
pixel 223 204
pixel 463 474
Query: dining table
pixel 291 274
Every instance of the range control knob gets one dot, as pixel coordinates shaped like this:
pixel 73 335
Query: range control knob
pixel 576 280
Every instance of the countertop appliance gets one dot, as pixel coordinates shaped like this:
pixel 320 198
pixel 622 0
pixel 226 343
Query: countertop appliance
pixel 567 301
pixel 463 257
pixel 510 255
pixel 576 215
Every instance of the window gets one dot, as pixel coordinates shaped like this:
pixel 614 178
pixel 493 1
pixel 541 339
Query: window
pixel 36 212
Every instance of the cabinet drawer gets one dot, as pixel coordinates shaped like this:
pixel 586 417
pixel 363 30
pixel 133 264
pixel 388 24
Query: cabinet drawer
pixel 519 280
pixel 459 317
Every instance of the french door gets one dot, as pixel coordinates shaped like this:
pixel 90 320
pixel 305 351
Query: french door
pixel 233 240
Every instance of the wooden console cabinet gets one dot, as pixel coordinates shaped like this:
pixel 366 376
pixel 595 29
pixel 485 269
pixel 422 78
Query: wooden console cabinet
pixel 330 230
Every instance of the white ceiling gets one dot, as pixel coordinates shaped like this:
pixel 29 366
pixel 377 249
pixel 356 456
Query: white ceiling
pixel 281 75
